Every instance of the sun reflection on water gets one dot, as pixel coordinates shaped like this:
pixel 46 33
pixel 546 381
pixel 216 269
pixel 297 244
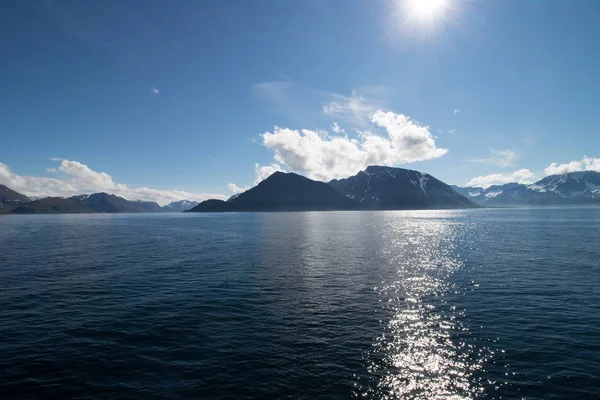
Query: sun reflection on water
pixel 422 352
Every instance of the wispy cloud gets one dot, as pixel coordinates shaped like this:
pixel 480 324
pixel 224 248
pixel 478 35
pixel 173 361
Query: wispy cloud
pixel 501 158
pixel 335 128
pixel 77 178
pixel 311 106
pixel 154 90
pixel 233 188
pixel 586 164
pixel 354 109
pixel 456 111
pixel 452 131
pixel 523 176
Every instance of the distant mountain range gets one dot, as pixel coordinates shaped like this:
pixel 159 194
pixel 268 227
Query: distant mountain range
pixel 12 202
pixel 51 205
pixel 109 203
pixel 181 205
pixel 574 188
pixel 376 188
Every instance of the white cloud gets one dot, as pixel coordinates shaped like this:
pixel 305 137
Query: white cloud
pixel 555 169
pixel 154 90
pixel 51 170
pixel 261 172
pixel 501 158
pixel 452 131
pixel 456 111
pixel 591 164
pixel 77 178
pixel 586 164
pixel 265 171
pixel 233 188
pixel 335 128
pixel 322 157
pixel 523 176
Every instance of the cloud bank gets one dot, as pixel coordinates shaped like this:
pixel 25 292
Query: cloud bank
pixel 586 164
pixel 73 177
pixel 323 157
pixel 523 176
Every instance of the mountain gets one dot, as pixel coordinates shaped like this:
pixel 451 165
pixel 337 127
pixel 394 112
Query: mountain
pixel 388 188
pixel 575 185
pixel 97 202
pixel 9 196
pixel 567 189
pixel 283 192
pixel 181 205
pixel 148 206
pixel 109 203
pixel 52 205
pixel 213 205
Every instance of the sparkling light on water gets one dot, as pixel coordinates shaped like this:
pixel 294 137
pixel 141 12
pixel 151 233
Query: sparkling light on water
pixel 420 354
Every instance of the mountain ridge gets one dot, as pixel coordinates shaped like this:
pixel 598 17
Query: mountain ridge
pixel 181 205
pixel 390 188
pixel 282 191
pixel 572 188
pixel 109 203
pixel 12 202
pixel 11 197
pixel 375 188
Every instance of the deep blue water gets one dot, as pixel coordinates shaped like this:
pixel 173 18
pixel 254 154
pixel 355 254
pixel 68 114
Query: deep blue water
pixel 411 305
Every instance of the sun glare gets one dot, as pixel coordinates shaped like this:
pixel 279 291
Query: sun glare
pixel 426 8
pixel 421 20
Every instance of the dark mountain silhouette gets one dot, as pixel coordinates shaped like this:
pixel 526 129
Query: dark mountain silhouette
pixel 109 203
pixel 9 196
pixel 9 199
pixel 148 206
pixel 283 192
pixel 52 205
pixel 213 205
pixel 388 188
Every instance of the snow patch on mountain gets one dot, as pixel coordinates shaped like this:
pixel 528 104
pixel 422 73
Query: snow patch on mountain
pixel 491 195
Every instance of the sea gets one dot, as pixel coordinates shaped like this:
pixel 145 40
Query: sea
pixel 474 304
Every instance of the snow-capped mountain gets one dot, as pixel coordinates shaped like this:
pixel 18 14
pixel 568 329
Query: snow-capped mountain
pixel 584 184
pixel 566 189
pixel 181 205
pixel 9 196
pixel 389 188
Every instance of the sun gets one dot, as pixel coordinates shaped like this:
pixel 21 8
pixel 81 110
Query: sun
pixel 426 8
pixel 421 20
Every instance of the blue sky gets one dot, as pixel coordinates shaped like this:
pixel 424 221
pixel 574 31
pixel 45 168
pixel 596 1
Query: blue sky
pixel 188 97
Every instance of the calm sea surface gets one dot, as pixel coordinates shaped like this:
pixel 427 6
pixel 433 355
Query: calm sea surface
pixel 474 304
